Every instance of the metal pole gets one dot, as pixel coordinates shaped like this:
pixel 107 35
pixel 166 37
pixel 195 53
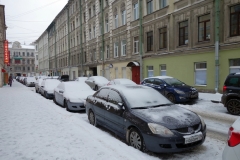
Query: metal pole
pixel 55 49
pixel 141 40
pixel 103 45
pixel 80 38
pixel 69 54
pixel 217 45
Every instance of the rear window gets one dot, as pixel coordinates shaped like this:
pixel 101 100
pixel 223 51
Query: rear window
pixel 233 81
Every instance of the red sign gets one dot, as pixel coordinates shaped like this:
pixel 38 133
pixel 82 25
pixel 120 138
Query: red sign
pixel 6 53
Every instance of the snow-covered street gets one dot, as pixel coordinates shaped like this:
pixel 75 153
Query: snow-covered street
pixel 32 127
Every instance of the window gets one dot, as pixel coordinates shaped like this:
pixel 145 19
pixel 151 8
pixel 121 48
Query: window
pixel 234 65
pixel 201 73
pixel 116 49
pixel 149 81
pixel 123 17
pixel 84 17
pixel 85 57
pixel 163 70
pixel 107 29
pixel 89 11
pixel 116 73
pixel 94 10
pixel 150 41
pixel 135 11
pixel 163 38
pixel 204 28
pixel 94 31
pixel 183 33
pixel 163 3
pixel 28 62
pixel 28 54
pixel 150 71
pixel 235 20
pixel 103 94
pixel 116 21
pixel 123 48
pixel 136 44
pixel 157 82
pixel 32 68
pixel 106 2
pixel 90 34
pixel 124 73
pixel 23 53
pixel 114 97
pixel 233 81
pixel 28 68
pixel 17 61
pixel 107 51
pixel 149 6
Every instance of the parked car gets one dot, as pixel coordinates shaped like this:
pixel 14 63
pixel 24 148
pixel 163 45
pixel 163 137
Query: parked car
pixel 172 88
pixel 24 80
pixel 63 78
pixel 122 81
pixel 38 83
pixel 231 151
pixel 231 93
pixel 30 81
pixel 147 119
pixel 47 87
pixel 72 95
pixel 97 82
pixel 81 79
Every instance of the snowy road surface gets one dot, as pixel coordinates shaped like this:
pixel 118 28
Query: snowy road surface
pixel 32 127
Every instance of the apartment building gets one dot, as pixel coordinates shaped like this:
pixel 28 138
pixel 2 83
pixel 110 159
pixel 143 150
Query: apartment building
pixel 22 59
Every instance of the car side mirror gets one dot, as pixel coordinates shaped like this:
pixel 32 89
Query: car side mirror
pixel 121 106
pixel 165 85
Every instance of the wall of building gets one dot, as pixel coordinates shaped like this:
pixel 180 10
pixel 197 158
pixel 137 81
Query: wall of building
pixel 2 38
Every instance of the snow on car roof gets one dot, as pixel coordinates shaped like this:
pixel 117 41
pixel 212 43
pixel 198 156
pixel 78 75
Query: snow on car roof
pixel 163 77
pixel 124 81
pixel 100 79
pixel 73 86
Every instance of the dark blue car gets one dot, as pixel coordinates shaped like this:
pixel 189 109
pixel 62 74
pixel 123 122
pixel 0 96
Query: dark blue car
pixel 175 90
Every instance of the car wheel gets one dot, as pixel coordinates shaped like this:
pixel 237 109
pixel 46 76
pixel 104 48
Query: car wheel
pixel 96 88
pixel 135 139
pixel 233 106
pixel 65 105
pixel 92 118
pixel 36 90
pixel 171 98
pixel 45 95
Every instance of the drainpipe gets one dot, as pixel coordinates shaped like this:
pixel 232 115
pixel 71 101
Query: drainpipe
pixel 80 38
pixel 217 45
pixel 48 56
pixel 55 49
pixel 69 55
pixel 103 45
pixel 141 39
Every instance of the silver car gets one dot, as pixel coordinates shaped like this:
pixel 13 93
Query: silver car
pixel 231 151
pixel 96 82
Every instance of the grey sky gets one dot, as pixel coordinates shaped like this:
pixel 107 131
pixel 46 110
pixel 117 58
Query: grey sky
pixel 28 19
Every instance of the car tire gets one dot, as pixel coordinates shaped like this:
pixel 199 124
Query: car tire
pixel 233 106
pixel 135 139
pixel 92 118
pixel 96 88
pixel 171 98
pixel 65 105
pixel 36 90
pixel 45 95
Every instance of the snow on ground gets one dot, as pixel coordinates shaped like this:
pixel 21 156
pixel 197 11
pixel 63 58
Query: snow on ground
pixel 32 127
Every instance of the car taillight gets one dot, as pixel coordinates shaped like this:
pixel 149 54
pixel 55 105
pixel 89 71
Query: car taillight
pixel 224 88
pixel 234 137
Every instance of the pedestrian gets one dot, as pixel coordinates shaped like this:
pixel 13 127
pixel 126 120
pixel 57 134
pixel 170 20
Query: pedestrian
pixel 10 80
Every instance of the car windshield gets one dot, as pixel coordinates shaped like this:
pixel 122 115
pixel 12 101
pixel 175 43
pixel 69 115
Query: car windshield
pixel 124 81
pixel 173 81
pixel 100 79
pixel 142 97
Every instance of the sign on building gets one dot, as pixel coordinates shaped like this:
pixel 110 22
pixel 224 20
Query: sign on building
pixel 6 53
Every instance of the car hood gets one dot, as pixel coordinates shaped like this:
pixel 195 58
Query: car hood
pixel 78 96
pixel 172 117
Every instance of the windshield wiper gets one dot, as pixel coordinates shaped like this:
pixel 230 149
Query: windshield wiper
pixel 168 104
pixel 140 108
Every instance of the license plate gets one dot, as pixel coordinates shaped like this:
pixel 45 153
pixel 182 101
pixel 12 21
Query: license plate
pixel 193 138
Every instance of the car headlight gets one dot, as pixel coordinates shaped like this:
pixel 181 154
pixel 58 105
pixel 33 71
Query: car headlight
pixel 202 121
pixel 161 130
pixel 178 91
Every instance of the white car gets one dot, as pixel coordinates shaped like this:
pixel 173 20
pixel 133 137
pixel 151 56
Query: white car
pixel 72 95
pixel 232 149
pixel 47 87
pixel 122 81
pixel 38 83
pixel 81 79
pixel 97 82
pixel 30 81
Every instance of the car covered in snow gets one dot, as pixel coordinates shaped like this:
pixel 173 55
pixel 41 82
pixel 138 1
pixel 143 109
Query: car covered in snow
pixel 47 87
pixel 231 151
pixel 81 79
pixel 96 82
pixel 122 81
pixel 145 118
pixel 38 83
pixel 72 95
pixel 30 81
pixel 172 88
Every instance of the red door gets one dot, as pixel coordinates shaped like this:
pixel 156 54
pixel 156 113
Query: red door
pixel 136 74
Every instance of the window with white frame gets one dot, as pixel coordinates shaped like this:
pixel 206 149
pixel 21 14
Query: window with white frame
pixel 201 73
pixel 90 34
pixel 116 49
pixel 150 71
pixel 135 11
pixel 123 17
pixel 163 69
pixel 136 44
pixel 149 6
pixel 94 31
pixel 106 22
pixel 162 3
pixel 116 21
pixel 107 50
pixel 234 65
pixel 123 47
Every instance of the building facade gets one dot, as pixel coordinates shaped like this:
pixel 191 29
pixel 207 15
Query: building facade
pixel 22 59
pixel 2 38
pixel 195 41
